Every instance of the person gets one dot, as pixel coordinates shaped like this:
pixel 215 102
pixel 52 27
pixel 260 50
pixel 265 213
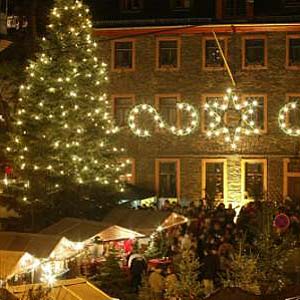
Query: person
pixel 137 267
pixel 211 268
pixel 171 283
pixel 156 283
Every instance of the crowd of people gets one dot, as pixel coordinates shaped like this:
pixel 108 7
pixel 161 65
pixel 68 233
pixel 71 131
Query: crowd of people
pixel 212 235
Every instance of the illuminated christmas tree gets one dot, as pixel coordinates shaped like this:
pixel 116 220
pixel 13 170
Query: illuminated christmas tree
pixel 63 130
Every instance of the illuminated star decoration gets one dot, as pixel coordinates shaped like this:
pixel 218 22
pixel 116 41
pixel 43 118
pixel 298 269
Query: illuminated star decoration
pixel 158 120
pixel 218 126
pixel 283 121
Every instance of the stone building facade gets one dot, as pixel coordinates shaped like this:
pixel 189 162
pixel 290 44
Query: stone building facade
pixel 264 59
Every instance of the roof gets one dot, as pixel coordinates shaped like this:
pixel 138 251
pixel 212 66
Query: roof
pixel 38 245
pixel 13 262
pixel 77 230
pixel 142 220
pixel 72 289
pixel 118 233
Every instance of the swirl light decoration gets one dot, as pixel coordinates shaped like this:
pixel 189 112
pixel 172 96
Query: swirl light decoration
pixel 284 125
pixel 158 120
pixel 246 124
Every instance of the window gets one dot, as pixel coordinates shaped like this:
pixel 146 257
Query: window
pixel 131 5
pixel 214 180
pixel 121 107
pixel 293 52
pixel 260 115
pixel 123 55
pixel 210 99
pixel 128 175
pixel 293 116
pixel 254 179
pixel 212 59
pixel 167 177
pixel 291 179
pixel 181 4
pixel 166 105
pixel 168 54
pixel 254 52
pixel 234 8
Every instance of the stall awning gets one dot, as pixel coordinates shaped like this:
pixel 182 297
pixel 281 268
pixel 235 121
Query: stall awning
pixel 72 289
pixel 118 233
pixel 38 245
pixel 76 230
pixel 143 221
pixel 13 262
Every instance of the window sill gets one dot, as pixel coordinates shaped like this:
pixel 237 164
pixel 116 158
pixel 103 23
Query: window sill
pixel 167 69
pixel 213 68
pixel 123 70
pixel 295 67
pixel 254 67
pixel 134 11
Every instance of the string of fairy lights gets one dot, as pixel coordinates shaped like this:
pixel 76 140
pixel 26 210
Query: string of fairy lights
pixel 217 124
pixel 193 117
pixel 284 120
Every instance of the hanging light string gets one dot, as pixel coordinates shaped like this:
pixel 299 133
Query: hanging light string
pixel 158 120
pixel 284 122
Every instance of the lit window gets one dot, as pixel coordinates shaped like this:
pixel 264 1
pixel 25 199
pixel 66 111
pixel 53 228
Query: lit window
pixel 168 179
pixel 254 53
pixel 211 100
pixel 293 116
pixel 260 113
pixel 122 107
pixel 254 179
pixel 211 53
pixel 291 180
pixel 213 180
pixel 123 55
pixel 293 51
pixel 168 54
pixel 128 171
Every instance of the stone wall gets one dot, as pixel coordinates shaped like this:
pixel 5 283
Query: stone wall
pixel 191 82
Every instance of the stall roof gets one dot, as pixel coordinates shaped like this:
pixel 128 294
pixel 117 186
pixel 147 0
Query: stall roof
pixel 38 245
pixel 77 230
pixel 118 233
pixel 11 262
pixel 72 289
pixel 143 220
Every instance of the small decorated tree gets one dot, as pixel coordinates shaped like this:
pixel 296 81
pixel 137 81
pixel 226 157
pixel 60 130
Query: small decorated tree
pixel 188 286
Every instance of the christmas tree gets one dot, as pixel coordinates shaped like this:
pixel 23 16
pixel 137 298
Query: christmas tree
pixel 243 272
pixel 188 286
pixel 64 133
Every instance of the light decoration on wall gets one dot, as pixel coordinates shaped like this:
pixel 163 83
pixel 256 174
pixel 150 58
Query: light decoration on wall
pixel 283 122
pixel 158 120
pixel 217 126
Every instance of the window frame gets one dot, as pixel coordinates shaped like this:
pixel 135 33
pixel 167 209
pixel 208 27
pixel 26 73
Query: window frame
pixel 113 51
pixel 133 169
pixel 287 100
pixel 157 54
pixel 254 37
pixel 264 161
pixel 116 96
pixel 158 161
pixel 157 104
pixel 265 96
pixel 286 175
pixel 204 39
pixel 203 177
pixel 203 101
pixel 287 56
